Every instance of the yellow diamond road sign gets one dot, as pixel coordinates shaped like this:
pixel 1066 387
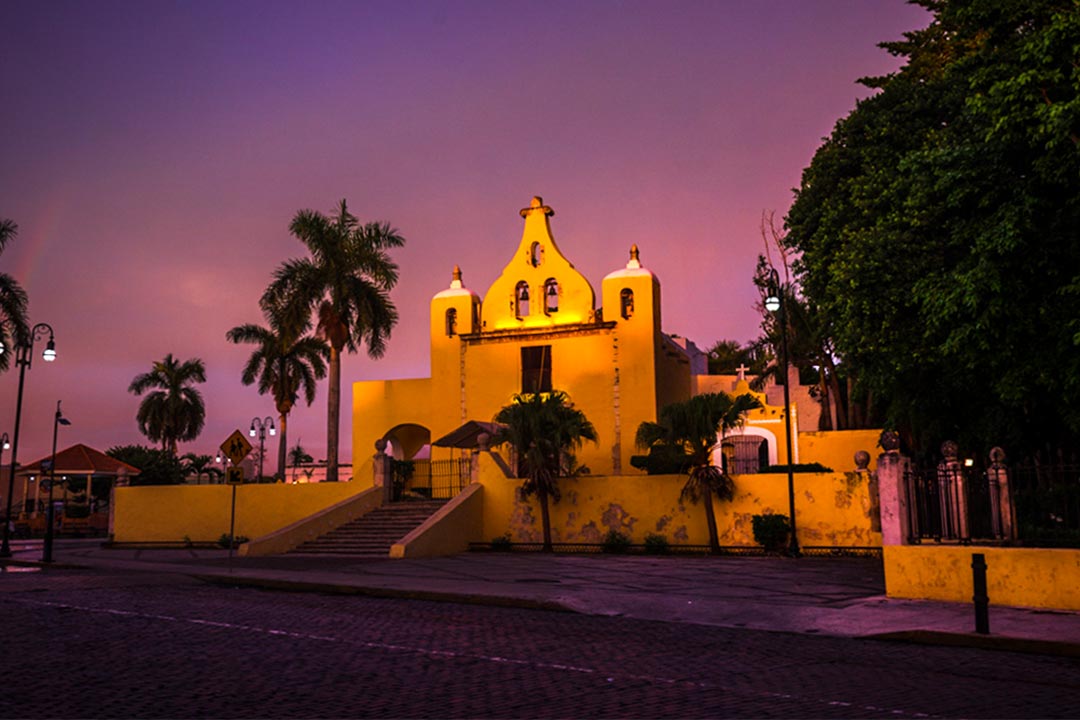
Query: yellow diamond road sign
pixel 236 447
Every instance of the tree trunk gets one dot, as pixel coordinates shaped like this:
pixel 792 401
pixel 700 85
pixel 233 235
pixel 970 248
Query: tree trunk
pixel 545 518
pixel 710 519
pixel 282 446
pixel 838 399
pixel 333 414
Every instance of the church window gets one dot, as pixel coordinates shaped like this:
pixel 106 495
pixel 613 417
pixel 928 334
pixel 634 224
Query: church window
pixel 536 254
pixel 451 322
pixel 536 369
pixel 626 303
pixel 521 300
pixel 551 296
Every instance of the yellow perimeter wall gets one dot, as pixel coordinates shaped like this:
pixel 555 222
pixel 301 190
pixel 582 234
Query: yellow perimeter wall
pixel 169 513
pixel 836 448
pixel 831 509
pixel 1027 577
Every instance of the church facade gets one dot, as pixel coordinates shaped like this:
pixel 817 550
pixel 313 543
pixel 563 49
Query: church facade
pixel 538 328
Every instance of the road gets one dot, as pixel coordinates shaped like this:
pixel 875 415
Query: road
pixel 112 644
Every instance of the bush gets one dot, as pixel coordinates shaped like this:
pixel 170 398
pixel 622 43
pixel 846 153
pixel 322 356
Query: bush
pixel 771 531
pixel 502 543
pixel 223 541
pixel 616 542
pixel 656 544
pixel 158 467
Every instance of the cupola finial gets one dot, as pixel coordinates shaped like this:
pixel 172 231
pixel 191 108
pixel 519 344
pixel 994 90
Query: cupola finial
pixel 634 261
pixel 456 282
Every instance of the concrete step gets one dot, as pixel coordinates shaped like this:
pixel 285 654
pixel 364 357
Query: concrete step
pixel 373 534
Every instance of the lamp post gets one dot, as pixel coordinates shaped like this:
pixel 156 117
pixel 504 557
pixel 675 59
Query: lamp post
pixel 776 301
pixel 24 355
pixel 60 420
pixel 260 427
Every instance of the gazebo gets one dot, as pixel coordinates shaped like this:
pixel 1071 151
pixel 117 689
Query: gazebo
pixel 80 466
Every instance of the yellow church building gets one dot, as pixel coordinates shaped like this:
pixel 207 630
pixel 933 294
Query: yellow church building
pixel 538 328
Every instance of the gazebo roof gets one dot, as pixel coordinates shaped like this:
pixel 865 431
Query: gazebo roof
pixel 465 436
pixel 80 460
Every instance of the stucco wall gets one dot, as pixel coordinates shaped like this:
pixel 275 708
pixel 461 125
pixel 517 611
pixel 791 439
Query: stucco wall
pixel 169 513
pixel 1029 577
pixel 836 448
pixel 831 509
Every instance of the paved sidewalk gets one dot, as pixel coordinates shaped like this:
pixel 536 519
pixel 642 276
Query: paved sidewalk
pixel 828 596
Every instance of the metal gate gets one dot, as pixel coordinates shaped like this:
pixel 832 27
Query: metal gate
pixel 430 479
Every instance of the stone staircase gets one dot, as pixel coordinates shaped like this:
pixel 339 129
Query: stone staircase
pixel 374 533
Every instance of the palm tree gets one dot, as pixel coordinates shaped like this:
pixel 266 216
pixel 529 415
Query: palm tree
pixel 544 430
pixel 174 411
pixel 284 362
pixel 200 465
pixel 346 282
pixel 697 426
pixel 13 323
pixel 297 457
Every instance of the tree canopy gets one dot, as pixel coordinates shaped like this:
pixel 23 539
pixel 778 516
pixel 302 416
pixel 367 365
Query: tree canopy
pixel 937 228
pixel 346 282
pixel 174 411
pixel 284 362
pixel 14 326
pixel 545 430
pixel 694 429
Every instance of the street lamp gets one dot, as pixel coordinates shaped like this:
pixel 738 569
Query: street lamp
pixel 24 355
pixel 260 427
pixel 60 420
pixel 776 301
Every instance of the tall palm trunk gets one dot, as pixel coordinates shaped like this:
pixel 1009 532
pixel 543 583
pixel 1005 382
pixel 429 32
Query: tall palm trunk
pixel 545 518
pixel 333 414
pixel 283 444
pixel 710 520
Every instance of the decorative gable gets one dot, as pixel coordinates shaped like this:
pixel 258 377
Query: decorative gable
pixel 539 287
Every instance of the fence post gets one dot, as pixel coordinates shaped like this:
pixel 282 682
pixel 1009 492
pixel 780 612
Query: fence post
pixel 953 489
pixel 1001 505
pixel 383 475
pixel 862 468
pixel 892 492
pixel 979 596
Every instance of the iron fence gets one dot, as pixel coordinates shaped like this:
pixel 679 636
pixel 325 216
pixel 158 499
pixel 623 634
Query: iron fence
pixel 434 479
pixel 635 549
pixel 1025 504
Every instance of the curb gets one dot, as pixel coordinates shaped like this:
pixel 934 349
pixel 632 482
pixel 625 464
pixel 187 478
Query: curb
pixel 982 642
pixel 42 564
pixel 401 594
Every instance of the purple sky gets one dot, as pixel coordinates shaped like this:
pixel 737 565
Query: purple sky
pixel 153 154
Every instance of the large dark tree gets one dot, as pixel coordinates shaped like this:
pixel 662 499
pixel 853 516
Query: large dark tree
pixel 545 430
pixel 174 410
pixel 13 324
pixel 937 228
pixel 346 282
pixel 695 428
pixel 284 362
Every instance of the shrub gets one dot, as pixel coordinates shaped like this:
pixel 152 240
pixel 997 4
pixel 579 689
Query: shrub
pixel 616 542
pixel 502 543
pixel 771 531
pixel 223 541
pixel 656 544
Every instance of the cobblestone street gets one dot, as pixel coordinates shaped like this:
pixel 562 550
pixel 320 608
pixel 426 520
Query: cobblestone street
pixel 81 644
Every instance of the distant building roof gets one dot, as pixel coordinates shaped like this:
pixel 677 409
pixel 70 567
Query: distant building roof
pixel 80 460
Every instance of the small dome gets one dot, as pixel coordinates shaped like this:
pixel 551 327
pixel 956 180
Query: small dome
pixel 633 267
pixel 457 288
